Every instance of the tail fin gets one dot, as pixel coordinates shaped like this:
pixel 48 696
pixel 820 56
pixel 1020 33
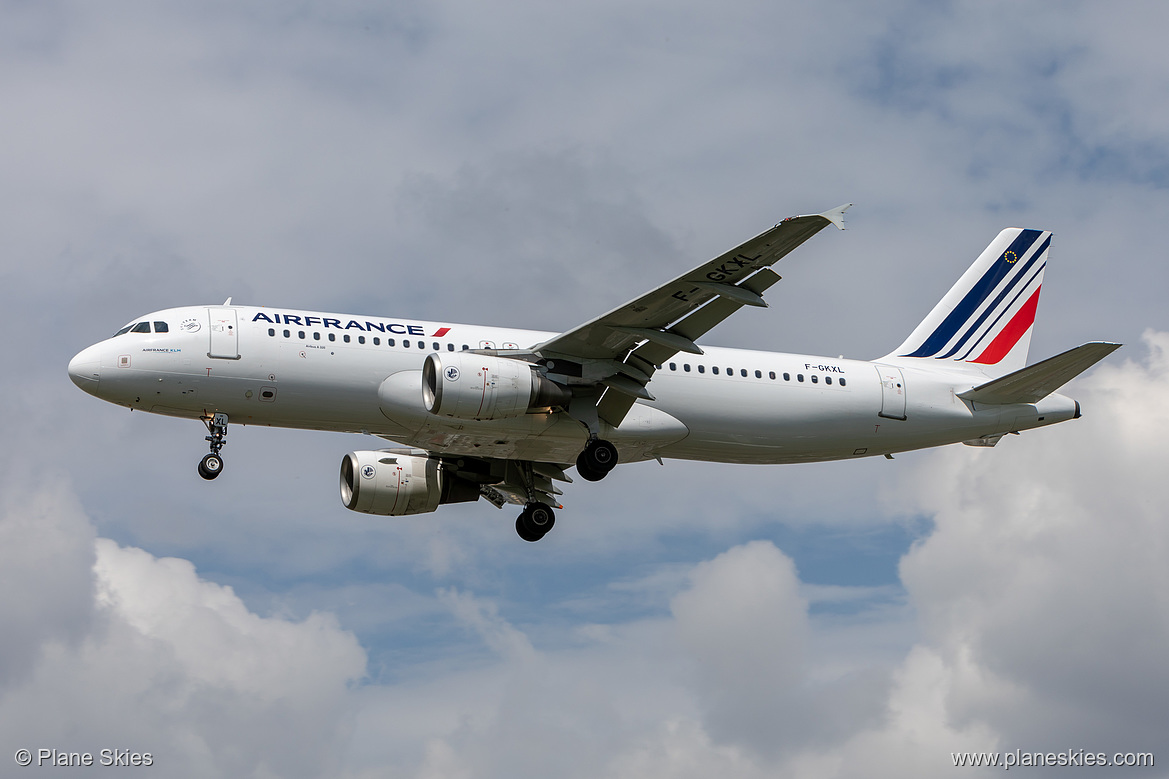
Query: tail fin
pixel 985 319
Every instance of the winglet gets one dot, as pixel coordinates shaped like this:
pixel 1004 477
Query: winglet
pixel 836 215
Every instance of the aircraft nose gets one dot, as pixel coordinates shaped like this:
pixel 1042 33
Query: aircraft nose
pixel 85 368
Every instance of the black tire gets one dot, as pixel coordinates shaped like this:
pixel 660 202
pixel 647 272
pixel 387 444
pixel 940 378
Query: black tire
pixel 210 466
pixel 521 528
pixel 535 521
pixel 597 459
pixel 587 473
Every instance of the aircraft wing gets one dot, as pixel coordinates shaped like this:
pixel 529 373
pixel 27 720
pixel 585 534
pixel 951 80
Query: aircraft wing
pixel 628 343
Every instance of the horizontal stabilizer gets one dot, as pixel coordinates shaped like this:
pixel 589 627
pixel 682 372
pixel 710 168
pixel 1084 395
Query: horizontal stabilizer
pixel 1035 382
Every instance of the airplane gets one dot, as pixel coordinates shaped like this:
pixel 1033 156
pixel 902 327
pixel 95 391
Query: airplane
pixel 502 414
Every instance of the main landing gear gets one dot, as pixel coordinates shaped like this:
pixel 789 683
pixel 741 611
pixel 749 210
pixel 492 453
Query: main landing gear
pixel 598 458
pixel 212 465
pixel 535 521
pixel 594 463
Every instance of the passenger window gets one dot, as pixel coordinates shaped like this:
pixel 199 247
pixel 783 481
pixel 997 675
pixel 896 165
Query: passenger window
pixel 799 377
pixel 332 336
pixel 272 331
pixel 730 371
pixel 713 369
pixel 361 339
pixel 316 336
pixel 827 379
pixel 842 382
pixel 141 327
pixel 673 366
pixel 346 337
pixel 702 369
pixel 743 372
pixel 686 367
pixel 300 335
pixel 814 379
pixel 787 377
pixel 377 341
pixel 287 334
pixel 450 347
pixel 161 327
pixel 436 346
pixel 465 347
pixel 759 375
pixel 771 374
pixel 390 342
pixel 405 343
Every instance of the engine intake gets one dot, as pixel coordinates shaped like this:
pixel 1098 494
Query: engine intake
pixel 476 386
pixel 394 484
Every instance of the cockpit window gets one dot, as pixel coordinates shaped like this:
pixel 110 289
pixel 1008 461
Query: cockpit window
pixel 160 327
pixel 125 329
pixel 141 327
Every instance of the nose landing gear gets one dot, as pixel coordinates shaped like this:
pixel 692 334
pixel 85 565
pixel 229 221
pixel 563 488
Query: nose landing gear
pixel 212 464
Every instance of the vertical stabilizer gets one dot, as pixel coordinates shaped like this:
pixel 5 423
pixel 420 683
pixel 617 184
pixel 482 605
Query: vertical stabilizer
pixel 985 320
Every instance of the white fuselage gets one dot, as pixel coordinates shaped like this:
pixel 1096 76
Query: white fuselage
pixel 287 368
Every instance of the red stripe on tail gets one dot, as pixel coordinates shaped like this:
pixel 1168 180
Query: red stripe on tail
pixel 1010 335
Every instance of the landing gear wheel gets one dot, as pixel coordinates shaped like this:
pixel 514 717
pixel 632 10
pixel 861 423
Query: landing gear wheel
pixel 585 472
pixel 598 458
pixel 210 466
pixel 535 521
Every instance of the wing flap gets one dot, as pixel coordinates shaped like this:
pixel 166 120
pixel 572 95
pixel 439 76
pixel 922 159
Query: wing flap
pixel 618 400
pixel 1035 382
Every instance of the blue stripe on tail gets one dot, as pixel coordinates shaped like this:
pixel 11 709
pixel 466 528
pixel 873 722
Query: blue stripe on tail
pixel 977 294
pixel 994 306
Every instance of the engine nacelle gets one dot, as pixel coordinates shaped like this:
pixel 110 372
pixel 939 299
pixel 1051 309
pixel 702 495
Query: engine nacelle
pixel 392 484
pixel 476 386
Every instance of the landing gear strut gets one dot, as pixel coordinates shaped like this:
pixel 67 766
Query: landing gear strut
pixel 212 465
pixel 535 521
pixel 598 458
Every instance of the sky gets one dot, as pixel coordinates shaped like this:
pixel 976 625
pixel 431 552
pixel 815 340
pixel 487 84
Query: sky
pixel 533 165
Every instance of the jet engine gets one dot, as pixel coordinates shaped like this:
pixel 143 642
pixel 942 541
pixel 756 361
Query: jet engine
pixel 394 484
pixel 475 386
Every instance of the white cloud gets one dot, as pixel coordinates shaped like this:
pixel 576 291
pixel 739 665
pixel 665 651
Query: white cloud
pixel 129 651
pixel 1046 572
pixel 46 587
pixel 745 624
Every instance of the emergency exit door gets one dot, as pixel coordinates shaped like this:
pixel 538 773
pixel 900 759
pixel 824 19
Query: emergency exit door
pixel 224 334
pixel 892 392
